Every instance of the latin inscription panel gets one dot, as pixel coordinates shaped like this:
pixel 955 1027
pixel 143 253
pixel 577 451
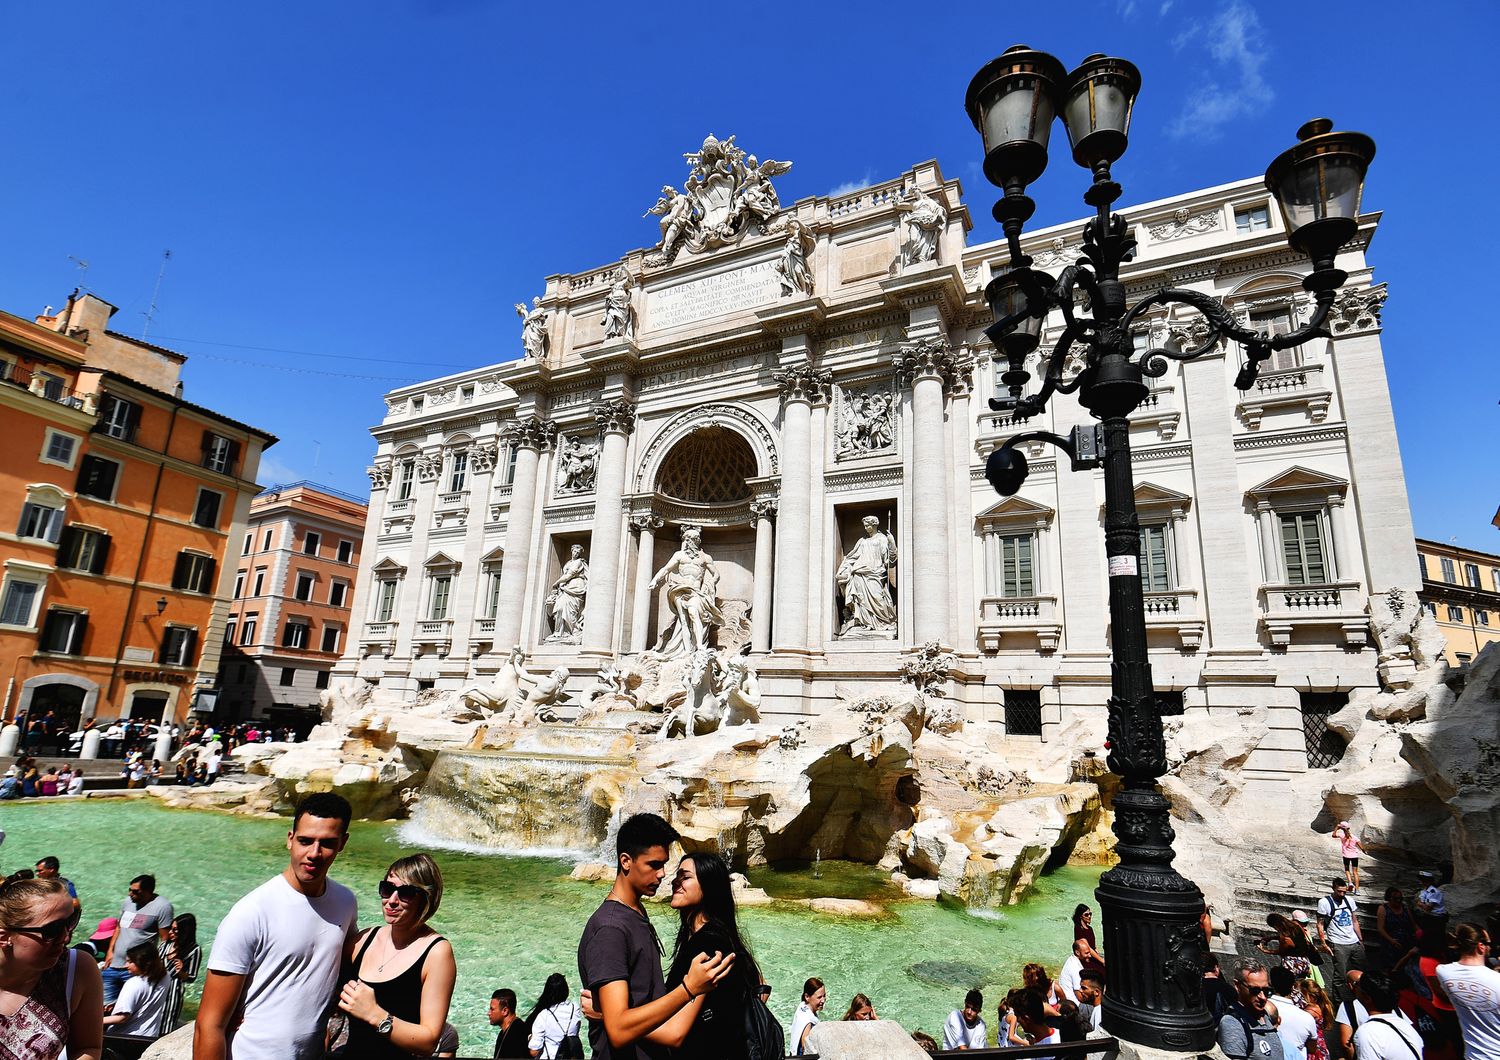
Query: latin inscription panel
pixel 712 296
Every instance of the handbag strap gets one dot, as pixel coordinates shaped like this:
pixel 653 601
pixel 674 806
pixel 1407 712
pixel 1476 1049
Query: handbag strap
pixel 1376 1019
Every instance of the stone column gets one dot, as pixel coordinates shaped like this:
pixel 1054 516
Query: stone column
pixel 646 527
pixel 359 604
pixel 1269 550
pixel 1341 540
pixel 529 436
pixel 926 365
pixel 819 577
pixel 800 386
pixel 765 542
pixel 964 617
pixel 616 421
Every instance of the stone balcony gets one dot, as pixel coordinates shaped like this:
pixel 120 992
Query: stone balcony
pixel 1159 411
pixel 378 636
pixel 481 633
pixel 432 633
pixel 1300 388
pixel 1176 610
pixel 1017 621
pixel 1322 609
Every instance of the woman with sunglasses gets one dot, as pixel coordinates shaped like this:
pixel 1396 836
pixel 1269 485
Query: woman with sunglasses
pixel 404 971
pixel 182 956
pixel 50 997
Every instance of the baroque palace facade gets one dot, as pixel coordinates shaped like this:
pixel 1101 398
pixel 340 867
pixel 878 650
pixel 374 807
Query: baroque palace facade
pixel 806 386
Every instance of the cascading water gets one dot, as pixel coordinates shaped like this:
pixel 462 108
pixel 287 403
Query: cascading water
pixel 519 802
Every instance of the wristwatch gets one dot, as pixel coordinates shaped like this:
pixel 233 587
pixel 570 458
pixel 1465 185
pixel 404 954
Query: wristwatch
pixel 384 1027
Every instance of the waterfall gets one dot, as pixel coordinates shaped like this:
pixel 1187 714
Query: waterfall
pixel 518 802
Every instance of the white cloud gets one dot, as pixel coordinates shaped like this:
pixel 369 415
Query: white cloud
pixel 1235 41
pixel 851 186
pixel 1127 8
pixel 1166 5
pixel 273 472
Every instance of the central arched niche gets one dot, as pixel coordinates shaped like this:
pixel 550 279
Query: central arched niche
pixel 708 467
pixel 703 481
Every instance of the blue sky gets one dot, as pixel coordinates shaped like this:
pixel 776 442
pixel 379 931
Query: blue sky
pixel 356 194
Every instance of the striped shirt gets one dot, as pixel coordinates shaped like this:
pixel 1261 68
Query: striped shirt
pixel 179 985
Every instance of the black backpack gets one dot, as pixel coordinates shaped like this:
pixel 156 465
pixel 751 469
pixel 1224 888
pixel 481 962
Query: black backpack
pixel 764 1038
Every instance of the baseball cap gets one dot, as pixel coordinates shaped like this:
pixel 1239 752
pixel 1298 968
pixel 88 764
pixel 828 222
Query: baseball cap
pixel 1343 824
pixel 1300 916
pixel 106 929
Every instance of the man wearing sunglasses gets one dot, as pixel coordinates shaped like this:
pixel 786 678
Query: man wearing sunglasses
pixel 145 916
pixel 275 959
pixel 1245 1030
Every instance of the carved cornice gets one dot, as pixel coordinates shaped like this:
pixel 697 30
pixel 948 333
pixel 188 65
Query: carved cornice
pixel 871 477
pixel 803 382
pixel 616 416
pixel 531 433
pixel 1292 437
pixel 924 359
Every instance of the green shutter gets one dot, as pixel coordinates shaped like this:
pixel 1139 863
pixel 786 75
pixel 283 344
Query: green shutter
pixel 1155 577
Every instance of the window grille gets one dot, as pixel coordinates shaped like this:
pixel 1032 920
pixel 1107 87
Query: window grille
pixel 1325 748
pixel 1023 712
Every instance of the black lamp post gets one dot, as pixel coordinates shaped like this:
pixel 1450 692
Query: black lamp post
pixel 1151 913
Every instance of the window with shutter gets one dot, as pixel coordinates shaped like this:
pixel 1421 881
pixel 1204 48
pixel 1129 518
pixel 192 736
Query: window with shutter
pixel 294 635
pixel 1016 551
pixel 247 631
pixel 96 478
pixel 1302 548
pixel 1450 572
pixel 331 638
pixel 385 600
pixel 206 513
pixel 194 573
pixel 1155 568
pixel 439 605
pixel 1276 322
pixel 177 646
pixel 119 418
pixel 40 521
pixel 63 632
pixel 19 603
pixel 83 550
pixel 218 453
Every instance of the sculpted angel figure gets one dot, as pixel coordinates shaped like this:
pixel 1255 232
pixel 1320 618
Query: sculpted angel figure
pixel 533 328
pixel 565 599
pixel 864 581
pixel 691 584
pixel 791 266
pixel 754 194
pixel 619 314
pixel 925 218
pixel 676 212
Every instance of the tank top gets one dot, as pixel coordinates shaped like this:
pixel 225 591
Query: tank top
pixel 39 1029
pixel 400 996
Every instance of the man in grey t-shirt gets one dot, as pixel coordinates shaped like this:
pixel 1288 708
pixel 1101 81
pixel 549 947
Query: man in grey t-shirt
pixel 144 917
pixel 1245 1030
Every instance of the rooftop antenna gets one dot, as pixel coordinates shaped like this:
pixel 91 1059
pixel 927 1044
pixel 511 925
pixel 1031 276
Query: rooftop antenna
pixel 83 269
pixel 166 256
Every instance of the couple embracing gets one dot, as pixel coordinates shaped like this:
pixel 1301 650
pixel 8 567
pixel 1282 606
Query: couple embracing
pixel 707 1005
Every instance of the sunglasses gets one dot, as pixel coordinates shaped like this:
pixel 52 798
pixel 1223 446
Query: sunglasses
pixel 56 931
pixel 1253 990
pixel 406 892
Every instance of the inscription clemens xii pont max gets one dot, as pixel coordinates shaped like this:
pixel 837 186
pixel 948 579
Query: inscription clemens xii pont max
pixel 712 296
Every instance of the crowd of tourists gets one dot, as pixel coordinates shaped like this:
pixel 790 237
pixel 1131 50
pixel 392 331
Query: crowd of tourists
pixel 292 974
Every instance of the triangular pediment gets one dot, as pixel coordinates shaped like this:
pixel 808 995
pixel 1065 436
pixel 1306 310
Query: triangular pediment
pixel 388 566
pixel 494 555
pixel 1151 493
pixel 1016 510
pixel 1299 479
pixel 440 559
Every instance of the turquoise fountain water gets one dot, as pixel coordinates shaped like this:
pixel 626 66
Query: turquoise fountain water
pixel 513 920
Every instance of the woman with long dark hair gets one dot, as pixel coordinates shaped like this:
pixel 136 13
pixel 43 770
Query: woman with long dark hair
pixel 1083 928
pixel 552 1019
pixel 182 956
pixel 704 902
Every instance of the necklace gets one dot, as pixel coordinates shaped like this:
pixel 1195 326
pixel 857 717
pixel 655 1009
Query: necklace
pixel 395 951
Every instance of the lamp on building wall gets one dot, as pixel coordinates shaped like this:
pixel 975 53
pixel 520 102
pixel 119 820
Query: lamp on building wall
pixel 1150 912
pixel 161 605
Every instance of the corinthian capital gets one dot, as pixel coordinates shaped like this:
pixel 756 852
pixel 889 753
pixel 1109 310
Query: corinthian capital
pixel 646 521
pixel 764 509
pixel 961 378
pixel 531 433
pixel 482 456
pixel 380 474
pixel 615 416
pixel 803 382
pixel 924 359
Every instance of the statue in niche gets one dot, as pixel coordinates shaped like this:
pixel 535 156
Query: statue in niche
pixel 579 463
pixel 869 423
pixel 534 337
pixel 565 600
pixel 619 314
pixel 691 584
pixel 864 583
pixel 791 266
pixel 924 222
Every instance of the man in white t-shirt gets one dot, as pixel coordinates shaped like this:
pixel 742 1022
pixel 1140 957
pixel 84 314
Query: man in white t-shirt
pixel 275 959
pixel 1474 989
pixel 1339 934
pixel 1072 969
pixel 964 1028
pixel 1297 1027
pixel 1386 1035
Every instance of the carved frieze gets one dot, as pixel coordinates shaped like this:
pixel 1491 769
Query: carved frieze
pixel 1184 223
pixel 865 420
pixel 577 465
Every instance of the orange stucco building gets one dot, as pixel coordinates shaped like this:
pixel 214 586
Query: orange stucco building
pixel 118 503
pixel 293 589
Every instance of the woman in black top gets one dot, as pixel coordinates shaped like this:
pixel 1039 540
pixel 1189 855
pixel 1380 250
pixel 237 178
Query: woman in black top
pixel 404 971
pixel 702 897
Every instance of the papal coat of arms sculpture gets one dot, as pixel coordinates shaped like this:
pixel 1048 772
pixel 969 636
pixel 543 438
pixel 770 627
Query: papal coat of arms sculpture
pixel 727 193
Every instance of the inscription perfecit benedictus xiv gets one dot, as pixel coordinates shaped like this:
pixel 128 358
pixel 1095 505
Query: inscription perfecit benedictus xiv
pixel 713 296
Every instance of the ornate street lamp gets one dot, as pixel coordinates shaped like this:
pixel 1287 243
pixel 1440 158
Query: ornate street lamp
pixel 1151 913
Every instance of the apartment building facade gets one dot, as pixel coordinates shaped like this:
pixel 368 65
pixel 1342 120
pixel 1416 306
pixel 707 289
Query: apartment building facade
pixel 293 588
pixel 118 499
pixel 1461 589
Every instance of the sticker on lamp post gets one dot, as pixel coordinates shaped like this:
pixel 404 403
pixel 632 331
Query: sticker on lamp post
pixel 1123 567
